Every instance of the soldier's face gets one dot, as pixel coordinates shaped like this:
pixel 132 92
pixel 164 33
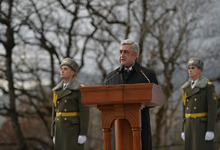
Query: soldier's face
pixel 66 72
pixel 126 56
pixel 194 72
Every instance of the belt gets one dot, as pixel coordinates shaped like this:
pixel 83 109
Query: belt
pixel 194 115
pixel 67 114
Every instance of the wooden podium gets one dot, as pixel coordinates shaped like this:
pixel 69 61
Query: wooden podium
pixel 122 103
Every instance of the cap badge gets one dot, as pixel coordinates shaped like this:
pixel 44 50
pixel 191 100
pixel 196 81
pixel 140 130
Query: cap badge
pixel 191 61
pixel 65 61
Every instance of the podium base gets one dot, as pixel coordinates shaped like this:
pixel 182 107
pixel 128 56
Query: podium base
pixel 123 135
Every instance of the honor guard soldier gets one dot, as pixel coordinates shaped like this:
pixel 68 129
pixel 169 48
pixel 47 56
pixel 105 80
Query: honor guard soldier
pixel 70 117
pixel 199 109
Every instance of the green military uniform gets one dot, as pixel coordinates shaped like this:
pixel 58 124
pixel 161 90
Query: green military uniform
pixel 199 113
pixel 69 116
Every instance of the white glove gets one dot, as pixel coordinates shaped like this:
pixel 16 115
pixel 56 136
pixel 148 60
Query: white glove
pixel 81 139
pixel 53 139
pixel 209 136
pixel 183 136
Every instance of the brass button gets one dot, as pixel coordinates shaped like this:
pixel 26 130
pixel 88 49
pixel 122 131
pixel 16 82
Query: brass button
pixel 58 102
pixel 194 117
pixel 65 119
pixel 64 109
pixel 57 119
pixel 187 108
pixel 187 100
pixel 194 107
pixel 65 101
pixel 195 99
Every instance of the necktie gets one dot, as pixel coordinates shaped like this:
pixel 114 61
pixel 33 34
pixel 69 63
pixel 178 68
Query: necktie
pixel 64 86
pixel 193 83
pixel 128 70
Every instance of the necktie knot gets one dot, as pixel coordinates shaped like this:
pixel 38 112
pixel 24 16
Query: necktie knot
pixel 193 83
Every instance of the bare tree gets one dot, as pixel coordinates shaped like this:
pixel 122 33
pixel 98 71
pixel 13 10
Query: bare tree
pixel 37 35
pixel 7 39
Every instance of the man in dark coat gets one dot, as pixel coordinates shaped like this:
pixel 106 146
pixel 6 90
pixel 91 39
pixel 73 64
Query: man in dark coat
pixel 199 109
pixel 70 117
pixel 131 72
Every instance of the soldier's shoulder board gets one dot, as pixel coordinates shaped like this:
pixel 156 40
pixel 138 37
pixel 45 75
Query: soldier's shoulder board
pixel 82 85
pixel 209 82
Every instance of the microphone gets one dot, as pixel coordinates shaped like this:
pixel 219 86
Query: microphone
pixel 145 76
pixel 111 78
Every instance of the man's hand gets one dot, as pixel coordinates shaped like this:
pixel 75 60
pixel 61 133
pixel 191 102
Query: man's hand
pixel 209 136
pixel 183 136
pixel 81 139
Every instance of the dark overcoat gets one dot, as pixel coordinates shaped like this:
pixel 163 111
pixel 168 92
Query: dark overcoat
pixel 199 100
pixel 67 129
pixel 119 76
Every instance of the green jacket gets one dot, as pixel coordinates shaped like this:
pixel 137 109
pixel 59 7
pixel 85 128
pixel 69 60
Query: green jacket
pixel 66 129
pixel 201 100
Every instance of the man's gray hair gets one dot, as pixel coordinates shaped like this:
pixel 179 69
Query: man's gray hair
pixel 135 46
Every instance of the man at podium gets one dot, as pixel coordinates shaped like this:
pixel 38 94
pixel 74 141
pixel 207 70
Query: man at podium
pixel 131 72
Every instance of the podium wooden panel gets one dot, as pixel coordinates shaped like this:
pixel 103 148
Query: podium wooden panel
pixel 122 103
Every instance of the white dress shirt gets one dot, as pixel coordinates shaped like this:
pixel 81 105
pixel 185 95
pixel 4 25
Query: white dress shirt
pixel 193 85
pixel 65 85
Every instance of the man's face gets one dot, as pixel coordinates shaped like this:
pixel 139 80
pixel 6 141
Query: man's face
pixel 66 72
pixel 194 72
pixel 126 56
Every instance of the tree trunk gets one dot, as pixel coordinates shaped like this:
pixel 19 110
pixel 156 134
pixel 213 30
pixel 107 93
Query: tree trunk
pixel 9 45
pixel 12 110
